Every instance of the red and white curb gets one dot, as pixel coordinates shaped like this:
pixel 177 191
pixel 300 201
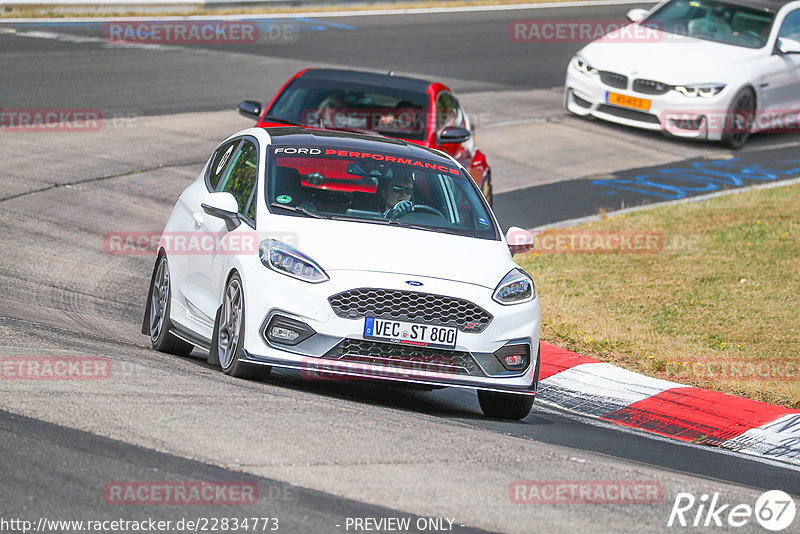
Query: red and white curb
pixel 589 387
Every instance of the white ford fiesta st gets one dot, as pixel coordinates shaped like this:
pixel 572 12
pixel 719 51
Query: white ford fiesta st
pixel 699 69
pixel 350 255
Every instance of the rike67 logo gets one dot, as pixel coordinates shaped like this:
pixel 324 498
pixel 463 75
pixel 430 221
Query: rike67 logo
pixel 774 510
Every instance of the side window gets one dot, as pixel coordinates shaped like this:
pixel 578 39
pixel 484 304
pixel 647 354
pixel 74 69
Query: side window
pixel 448 112
pixel 790 28
pixel 240 178
pixel 219 162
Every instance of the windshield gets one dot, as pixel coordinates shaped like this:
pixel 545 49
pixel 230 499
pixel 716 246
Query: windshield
pixel 353 107
pixel 379 188
pixel 714 21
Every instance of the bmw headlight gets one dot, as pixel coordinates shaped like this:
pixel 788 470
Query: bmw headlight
pixel 515 288
pixel 580 64
pixel 704 91
pixel 284 259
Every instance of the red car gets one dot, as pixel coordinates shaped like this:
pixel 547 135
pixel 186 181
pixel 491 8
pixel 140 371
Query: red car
pixel 414 110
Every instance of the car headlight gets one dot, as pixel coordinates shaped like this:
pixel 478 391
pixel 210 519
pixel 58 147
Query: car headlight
pixel 580 64
pixel 284 259
pixel 704 91
pixel 515 288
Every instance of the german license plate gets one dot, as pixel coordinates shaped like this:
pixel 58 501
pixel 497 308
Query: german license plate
pixel 422 335
pixel 628 101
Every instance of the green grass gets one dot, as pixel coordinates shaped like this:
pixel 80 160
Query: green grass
pixel 724 288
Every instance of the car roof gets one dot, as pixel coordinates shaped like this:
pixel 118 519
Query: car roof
pixel 372 78
pixel 291 135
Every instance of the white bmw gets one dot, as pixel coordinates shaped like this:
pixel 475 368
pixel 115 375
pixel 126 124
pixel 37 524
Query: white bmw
pixel 701 69
pixel 352 255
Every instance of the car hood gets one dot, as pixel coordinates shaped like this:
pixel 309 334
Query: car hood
pixel 353 246
pixel 664 57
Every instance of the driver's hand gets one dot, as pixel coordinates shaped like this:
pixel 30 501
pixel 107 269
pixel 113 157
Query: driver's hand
pixel 401 208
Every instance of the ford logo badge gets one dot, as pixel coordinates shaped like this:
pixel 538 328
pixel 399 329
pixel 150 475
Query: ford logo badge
pixel 413 283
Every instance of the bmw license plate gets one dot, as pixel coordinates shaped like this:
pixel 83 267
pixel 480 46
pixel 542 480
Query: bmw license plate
pixel 422 335
pixel 628 101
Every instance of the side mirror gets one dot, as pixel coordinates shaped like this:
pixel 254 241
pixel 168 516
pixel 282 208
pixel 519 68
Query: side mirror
pixel 454 134
pixel 788 46
pixel 250 109
pixel 636 15
pixel 222 206
pixel 519 240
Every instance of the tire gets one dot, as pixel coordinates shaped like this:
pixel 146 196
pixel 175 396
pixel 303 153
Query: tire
pixel 486 188
pixel 739 119
pixel 505 405
pixel 157 315
pixel 228 336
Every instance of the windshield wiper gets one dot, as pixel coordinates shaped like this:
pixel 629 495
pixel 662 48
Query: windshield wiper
pixel 390 222
pixel 361 219
pixel 273 118
pixel 297 209
pixel 420 227
pixel 346 218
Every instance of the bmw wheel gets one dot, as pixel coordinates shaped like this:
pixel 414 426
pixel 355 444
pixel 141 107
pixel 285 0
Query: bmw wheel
pixel 739 119
pixel 229 334
pixel 158 313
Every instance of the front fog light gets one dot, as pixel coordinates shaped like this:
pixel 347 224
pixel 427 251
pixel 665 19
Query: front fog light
pixel 514 357
pixel 516 287
pixel 281 334
pixel 287 331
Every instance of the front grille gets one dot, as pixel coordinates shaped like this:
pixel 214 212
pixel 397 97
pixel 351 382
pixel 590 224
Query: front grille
pixel 410 306
pixel 405 357
pixel 620 81
pixel 630 114
pixel 650 87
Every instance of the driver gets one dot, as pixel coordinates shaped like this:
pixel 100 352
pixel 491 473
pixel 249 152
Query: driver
pixel 396 194
pixel 330 110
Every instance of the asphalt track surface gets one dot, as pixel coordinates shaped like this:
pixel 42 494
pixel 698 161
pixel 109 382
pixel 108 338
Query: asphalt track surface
pixel 574 199
pixel 471 50
pixel 61 470
pixel 365 451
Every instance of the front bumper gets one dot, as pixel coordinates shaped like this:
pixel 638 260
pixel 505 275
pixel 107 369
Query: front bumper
pixel 671 112
pixel 329 351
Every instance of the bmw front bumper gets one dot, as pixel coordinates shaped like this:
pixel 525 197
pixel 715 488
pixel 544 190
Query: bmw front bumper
pixel 671 112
